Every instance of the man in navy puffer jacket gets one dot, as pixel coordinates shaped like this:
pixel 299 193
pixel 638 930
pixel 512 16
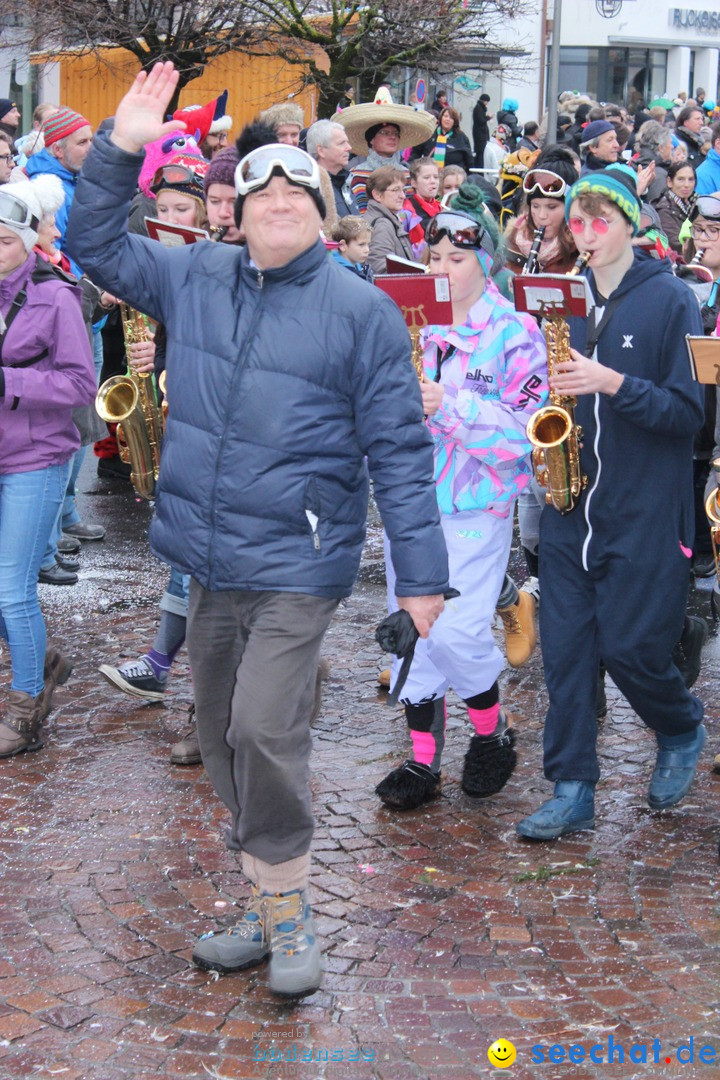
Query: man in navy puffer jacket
pixel 284 373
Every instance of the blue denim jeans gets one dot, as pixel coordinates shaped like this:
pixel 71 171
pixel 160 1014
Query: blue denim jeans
pixel 175 597
pixel 29 502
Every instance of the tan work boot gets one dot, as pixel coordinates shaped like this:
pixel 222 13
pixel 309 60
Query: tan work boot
pixel 56 673
pixel 519 624
pixel 187 750
pixel 20 724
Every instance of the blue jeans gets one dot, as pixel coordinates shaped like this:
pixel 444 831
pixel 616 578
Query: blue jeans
pixel 29 503
pixel 175 597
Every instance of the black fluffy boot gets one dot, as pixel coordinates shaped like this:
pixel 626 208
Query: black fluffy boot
pixel 489 762
pixel 409 786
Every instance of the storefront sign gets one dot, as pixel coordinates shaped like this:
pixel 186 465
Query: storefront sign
pixel 704 22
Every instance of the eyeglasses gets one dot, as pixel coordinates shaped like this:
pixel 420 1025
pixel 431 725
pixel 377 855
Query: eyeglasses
pixel 599 225
pixel 6 158
pixel 14 212
pixel 390 130
pixel 546 182
pixel 180 174
pixel 706 206
pixel 705 232
pixel 461 231
pixel 257 167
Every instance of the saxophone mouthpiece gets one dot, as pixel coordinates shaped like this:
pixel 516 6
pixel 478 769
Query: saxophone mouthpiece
pixel 581 262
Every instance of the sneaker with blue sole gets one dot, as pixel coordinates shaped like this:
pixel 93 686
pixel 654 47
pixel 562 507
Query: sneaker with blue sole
pixel 675 767
pixel 571 809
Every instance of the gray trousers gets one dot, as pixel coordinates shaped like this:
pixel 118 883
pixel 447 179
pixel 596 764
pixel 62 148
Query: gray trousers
pixel 254 658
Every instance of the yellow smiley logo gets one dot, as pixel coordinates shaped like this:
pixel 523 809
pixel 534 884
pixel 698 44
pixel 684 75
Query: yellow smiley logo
pixel 502 1054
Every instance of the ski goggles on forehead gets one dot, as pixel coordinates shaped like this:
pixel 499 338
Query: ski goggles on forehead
pixel 461 231
pixel 178 174
pixel 547 183
pixel 260 165
pixel 707 206
pixel 14 212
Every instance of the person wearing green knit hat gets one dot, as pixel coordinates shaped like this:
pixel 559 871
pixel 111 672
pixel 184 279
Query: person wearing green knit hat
pixel 638 409
pixel 617 184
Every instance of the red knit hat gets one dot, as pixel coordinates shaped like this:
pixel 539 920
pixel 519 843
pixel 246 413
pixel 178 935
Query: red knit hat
pixel 61 124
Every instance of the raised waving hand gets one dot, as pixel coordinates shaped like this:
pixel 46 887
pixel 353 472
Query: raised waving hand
pixel 140 116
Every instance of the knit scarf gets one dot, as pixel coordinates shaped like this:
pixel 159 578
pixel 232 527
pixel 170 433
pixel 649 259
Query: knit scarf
pixel 682 206
pixel 549 249
pixel 440 149
pixel 374 161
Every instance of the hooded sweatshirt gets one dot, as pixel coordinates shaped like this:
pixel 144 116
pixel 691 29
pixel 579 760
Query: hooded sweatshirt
pixel 637 445
pixel 44 162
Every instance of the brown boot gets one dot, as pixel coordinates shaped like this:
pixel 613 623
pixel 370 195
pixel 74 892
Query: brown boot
pixel 20 724
pixel 187 750
pixel 519 625
pixel 56 672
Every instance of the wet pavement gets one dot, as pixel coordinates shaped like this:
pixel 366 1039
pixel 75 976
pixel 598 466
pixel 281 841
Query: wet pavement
pixel 442 932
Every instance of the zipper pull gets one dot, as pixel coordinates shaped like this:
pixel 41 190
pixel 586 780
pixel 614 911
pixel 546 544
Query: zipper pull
pixel 313 519
pixel 260 279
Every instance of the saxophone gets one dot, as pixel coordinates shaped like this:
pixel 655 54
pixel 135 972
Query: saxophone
pixel 712 510
pixel 129 401
pixel 554 435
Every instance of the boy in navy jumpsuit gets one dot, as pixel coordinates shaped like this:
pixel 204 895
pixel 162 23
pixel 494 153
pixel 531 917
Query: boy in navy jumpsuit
pixel 602 596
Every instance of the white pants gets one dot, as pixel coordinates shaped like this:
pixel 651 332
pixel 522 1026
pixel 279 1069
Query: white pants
pixel 461 652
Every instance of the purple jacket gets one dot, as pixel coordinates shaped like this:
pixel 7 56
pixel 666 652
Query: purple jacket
pixel 36 427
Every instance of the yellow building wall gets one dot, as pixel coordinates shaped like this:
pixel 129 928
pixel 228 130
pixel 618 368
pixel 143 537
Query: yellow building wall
pixel 93 85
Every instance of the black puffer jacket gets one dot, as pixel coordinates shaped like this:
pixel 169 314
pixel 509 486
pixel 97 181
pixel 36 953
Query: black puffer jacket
pixel 279 384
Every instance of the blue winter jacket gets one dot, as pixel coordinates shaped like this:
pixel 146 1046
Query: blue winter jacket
pixel 44 162
pixel 708 174
pixel 637 445
pixel 279 383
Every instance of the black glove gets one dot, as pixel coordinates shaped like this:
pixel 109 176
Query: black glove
pixel 398 634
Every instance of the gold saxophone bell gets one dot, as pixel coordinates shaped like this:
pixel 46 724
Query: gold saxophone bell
pixel 129 401
pixel 552 430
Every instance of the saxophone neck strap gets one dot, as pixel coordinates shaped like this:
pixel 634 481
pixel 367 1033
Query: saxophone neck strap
pixel 599 324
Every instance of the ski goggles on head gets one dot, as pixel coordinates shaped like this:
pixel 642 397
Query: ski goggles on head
pixel 258 167
pixel 461 231
pixel 15 213
pixel 544 181
pixel 179 174
pixel 706 206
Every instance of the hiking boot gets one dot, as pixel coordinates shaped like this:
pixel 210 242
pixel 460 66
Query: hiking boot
pixel 687 654
pixel 81 531
pixel 295 965
pixel 187 750
pixel 56 672
pixel 490 761
pixel 241 946
pixel 519 625
pixel 571 809
pixel 135 677
pixel 675 767
pixel 409 786
pixel 68 545
pixel 384 678
pixel 66 563
pixel 55 575
pixel 20 724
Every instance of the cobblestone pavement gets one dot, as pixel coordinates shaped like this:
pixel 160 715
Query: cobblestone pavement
pixel 442 932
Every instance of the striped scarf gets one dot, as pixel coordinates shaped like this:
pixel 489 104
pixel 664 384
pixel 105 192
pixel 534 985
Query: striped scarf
pixel 440 148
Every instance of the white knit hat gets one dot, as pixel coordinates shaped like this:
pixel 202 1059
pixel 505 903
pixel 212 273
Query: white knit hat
pixel 42 196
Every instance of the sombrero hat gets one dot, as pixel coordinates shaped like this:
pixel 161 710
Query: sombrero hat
pixel 415 127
